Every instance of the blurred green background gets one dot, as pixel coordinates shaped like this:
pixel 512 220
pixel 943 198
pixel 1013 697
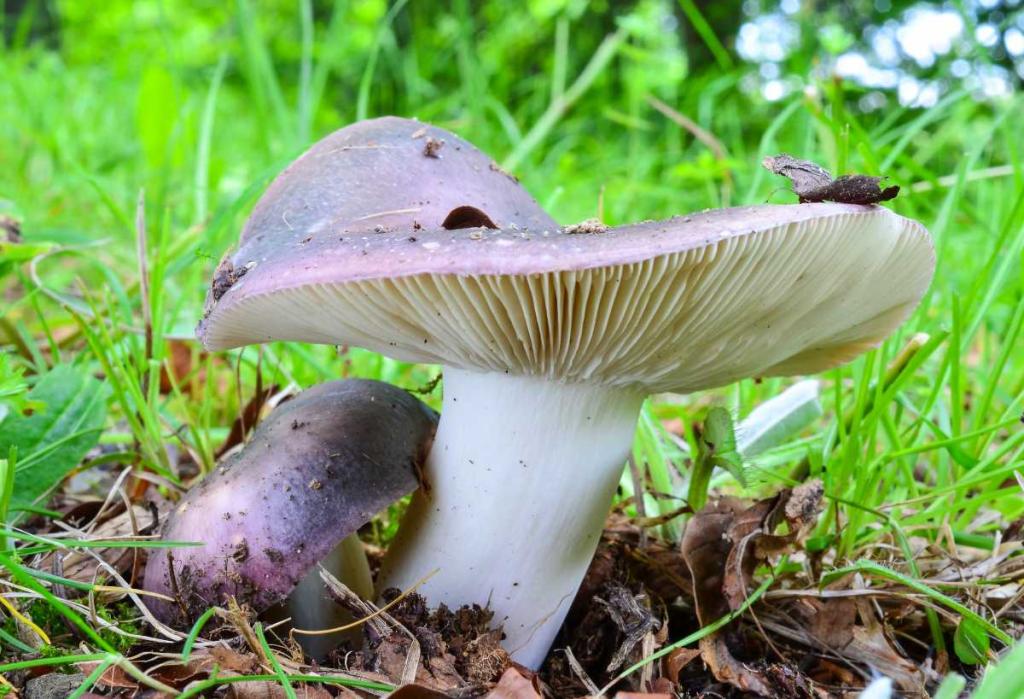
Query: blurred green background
pixel 199 102
pixel 633 110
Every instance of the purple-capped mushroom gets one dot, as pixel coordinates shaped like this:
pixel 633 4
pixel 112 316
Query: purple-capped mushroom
pixel 550 338
pixel 316 469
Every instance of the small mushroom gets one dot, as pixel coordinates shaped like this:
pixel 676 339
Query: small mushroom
pixel 550 338
pixel 315 470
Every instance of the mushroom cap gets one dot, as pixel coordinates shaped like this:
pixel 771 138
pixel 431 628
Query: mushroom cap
pixel 683 304
pixel 316 469
pixel 379 175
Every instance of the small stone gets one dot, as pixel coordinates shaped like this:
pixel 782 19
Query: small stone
pixel 53 686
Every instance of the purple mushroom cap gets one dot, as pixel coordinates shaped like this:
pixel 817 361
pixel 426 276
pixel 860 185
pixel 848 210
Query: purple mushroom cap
pixel 318 468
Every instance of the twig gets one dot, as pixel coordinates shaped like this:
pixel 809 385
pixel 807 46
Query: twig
pixel 695 129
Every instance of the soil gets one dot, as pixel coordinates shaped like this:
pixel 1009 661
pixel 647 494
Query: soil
pixel 590 226
pixel 432 147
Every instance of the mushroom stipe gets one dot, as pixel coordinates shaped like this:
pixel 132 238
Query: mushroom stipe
pixel 549 340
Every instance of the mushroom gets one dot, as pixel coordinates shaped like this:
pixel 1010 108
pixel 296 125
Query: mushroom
pixel 550 338
pixel 315 470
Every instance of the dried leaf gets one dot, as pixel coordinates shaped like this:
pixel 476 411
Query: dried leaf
pixel 181 361
pixel 81 566
pixel 741 561
pixel 247 419
pixel 706 548
pixel 853 189
pixel 831 621
pixel 678 659
pixel 116 678
pixel 273 690
pixel 233 661
pixel 804 504
pixel 805 175
pixel 726 668
pixel 177 675
pixel 514 685
pixel 812 183
pixel 753 539
pixel 641 695
pixel 415 691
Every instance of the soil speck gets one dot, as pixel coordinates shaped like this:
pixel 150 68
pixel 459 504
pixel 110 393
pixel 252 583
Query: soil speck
pixel 588 227
pixel 432 147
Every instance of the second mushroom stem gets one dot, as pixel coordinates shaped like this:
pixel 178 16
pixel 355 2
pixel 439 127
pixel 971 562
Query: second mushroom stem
pixel 521 476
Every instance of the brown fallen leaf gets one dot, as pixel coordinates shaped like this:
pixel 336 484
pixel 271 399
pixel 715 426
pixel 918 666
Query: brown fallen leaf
pixel 113 677
pixel 273 690
pixel 864 640
pixel 82 566
pixel 233 661
pixel 706 547
pixel 247 419
pixel 642 695
pixel 742 535
pixel 753 539
pixel 830 620
pixel 415 691
pixel 178 674
pixel 812 183
pixel 514 685
pixel 675 661
pixel 726 668
pixel 184 367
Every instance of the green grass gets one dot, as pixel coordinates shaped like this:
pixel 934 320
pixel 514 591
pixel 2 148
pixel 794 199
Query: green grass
pixel 199 110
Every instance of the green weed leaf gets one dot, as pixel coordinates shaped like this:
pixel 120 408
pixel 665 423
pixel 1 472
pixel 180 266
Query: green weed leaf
pixel 971 642
pixel 51 441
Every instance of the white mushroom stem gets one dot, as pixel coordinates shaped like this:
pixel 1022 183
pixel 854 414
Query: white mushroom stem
pixel 310 605
pixel 521 476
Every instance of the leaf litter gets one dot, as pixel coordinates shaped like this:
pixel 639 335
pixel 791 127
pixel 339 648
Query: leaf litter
pixel 813 183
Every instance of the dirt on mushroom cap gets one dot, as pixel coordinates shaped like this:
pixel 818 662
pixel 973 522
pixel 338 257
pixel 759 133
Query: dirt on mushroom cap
pixel 272 511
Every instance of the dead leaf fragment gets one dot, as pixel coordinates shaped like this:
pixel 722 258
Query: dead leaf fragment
pixel 273 690
pixel 82 566
pixel 514 685
pixel 813 183
pixel 10 229
pixel 678 659
pixel 432 147
pixel 247 419
pixel 705 548
pixel 726 668
pixel 415 691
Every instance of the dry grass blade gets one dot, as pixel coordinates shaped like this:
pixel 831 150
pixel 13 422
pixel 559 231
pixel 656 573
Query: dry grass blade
pixel 695 129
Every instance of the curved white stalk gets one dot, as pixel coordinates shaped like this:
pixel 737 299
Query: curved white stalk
pixel 521 476
pixel 310 605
